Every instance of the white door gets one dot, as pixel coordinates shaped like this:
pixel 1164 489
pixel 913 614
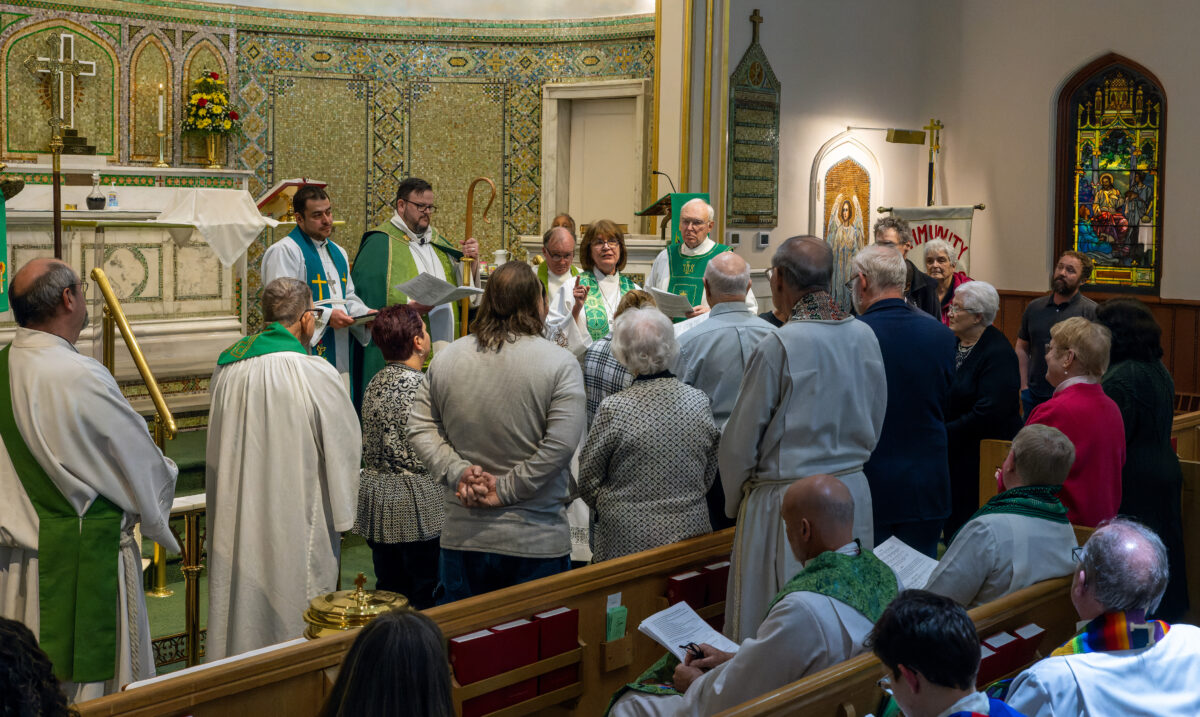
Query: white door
pixel 604 171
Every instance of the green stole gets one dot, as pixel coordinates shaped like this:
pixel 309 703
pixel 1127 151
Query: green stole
pixel 1034 501
pixel 315 270
pixel 687 272
pixel 863 581
pixel 273 339
pixel 543 274
pixel 77 581
pixel 594 310
pixel 384 261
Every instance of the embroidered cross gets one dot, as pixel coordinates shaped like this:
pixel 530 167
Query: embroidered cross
pixel 320 287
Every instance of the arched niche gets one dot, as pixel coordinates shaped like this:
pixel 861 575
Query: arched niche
pixel 204 56
pixel 26 97
pixel 838 148
pixel 149 67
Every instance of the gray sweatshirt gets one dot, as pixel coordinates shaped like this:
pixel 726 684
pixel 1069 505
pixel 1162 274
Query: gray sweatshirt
pixel 519 414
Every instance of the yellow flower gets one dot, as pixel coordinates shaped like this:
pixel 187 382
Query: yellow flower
pixel 226 124
pixel 203 112
pixel 203 123
pixel 218 109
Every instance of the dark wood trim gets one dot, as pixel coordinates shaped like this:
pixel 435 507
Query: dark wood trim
pixel 1064 161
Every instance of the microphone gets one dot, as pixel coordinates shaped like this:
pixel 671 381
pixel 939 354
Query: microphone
pixel 673 189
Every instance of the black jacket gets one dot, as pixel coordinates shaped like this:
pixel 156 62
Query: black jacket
pixel 922 291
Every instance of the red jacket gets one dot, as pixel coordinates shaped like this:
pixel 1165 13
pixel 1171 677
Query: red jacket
pixel 1092 492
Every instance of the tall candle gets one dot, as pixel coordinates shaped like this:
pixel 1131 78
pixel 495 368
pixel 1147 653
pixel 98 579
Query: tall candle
pixel 160 107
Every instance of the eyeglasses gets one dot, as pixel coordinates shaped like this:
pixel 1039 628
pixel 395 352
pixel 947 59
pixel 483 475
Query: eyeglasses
pixel 958 310
pixel 692 222
pixel 83 287
pixel 607 241
pixel 885 684
pixel 423 208
pixel 850 283
pixel 561 257
pixel 315 312
pixel 1077 553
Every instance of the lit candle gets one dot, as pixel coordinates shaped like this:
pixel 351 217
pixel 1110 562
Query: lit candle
pixel 161 107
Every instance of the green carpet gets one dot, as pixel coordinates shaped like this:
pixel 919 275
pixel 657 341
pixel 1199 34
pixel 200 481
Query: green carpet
pixel 166 614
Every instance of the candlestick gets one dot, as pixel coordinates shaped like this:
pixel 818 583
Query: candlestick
pixel 161 107
pixel 162 149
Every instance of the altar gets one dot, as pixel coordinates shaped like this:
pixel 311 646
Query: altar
pixel 184 304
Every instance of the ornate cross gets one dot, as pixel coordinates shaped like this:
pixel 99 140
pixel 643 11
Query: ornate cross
pixel 756 20
pixel 67 68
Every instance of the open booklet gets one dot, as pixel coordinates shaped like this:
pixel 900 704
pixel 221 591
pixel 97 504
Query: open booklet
pixel 429 290
pixel 679 625
pixel 673 305
pixel 913 567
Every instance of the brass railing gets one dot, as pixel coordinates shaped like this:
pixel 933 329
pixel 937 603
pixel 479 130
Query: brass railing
pixel 163 430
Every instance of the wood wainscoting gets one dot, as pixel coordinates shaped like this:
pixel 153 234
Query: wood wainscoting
pixel 1179 319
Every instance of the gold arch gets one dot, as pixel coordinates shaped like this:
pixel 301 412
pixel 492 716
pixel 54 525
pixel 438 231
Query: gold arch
pixel 193 147
pixel 168 90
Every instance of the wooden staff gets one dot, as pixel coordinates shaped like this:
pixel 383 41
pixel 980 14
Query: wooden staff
pixel 465 303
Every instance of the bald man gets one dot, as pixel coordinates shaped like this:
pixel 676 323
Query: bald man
pixel 77 470
pixel 558 248
pixel 714 354
pixel 819 619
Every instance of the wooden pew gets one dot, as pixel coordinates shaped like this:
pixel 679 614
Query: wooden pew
pixel 295 680
pixel 991 455
pixel 848 689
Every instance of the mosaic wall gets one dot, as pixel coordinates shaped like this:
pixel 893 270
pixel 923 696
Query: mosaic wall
pixel 358 102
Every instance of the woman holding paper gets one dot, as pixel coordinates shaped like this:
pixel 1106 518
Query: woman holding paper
pixel 581 312
pixel 651 454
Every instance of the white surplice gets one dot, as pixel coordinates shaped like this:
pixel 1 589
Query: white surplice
pixel 999 553
pixel 90 442
pixel 284 446
pixel 1156 681
pixel 804 633
pixel 660 272
pixel 285 258
pixel 560 322
pixel 812 401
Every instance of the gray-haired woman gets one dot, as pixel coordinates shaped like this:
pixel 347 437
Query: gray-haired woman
pixel 651 454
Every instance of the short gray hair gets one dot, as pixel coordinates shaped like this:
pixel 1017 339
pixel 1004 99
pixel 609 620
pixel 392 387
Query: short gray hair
pixel 979 297
pixel 1042 455
pixel 883 266
pixel 284 300
pixel 941 246
pixel 41 299
pixel 1125 564
pixel 723 284
pixel 644 341
pixel 697 200
pixel 806 262
pixel 900 225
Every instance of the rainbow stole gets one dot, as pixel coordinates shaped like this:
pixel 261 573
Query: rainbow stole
pixel 1112 631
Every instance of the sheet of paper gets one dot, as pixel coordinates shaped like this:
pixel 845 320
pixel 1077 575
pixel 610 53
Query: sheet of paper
pixel 913 567
pixel 673 305
pixel 429 290
pixel 679 625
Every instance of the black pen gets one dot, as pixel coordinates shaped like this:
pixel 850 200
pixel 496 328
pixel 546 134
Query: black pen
pixel 693 650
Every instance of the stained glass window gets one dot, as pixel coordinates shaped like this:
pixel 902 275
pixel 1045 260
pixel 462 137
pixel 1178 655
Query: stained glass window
pixel 1114 131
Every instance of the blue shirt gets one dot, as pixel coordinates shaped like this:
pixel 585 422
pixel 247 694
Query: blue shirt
pixel 713 356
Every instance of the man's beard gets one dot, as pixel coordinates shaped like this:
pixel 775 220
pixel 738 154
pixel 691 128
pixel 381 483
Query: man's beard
pixel 1060 286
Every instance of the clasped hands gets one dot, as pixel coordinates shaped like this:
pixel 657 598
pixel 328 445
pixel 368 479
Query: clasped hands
pixel 477 488
pixel 691 668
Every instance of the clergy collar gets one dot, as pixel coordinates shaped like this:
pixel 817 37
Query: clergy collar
pixel 701 248
pixel 423 238
pixel 852 549
pixel 601 276
pixel 1073 381
pixel 314 240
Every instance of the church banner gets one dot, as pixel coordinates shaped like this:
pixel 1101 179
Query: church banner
pixel 952 224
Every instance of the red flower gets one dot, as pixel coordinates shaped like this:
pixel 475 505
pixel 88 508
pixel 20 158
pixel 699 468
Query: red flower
pixel 233 115
pixel 201 102
pixel 214 75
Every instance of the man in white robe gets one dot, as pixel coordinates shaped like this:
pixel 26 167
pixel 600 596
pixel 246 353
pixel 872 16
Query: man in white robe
pixel 690 258
pixel 95 449
pixel 1122 663
pixel 581 311
pixel 284 446
pixel 1021 536
pixel 811 624
pixel 558 248
pixel 713 356
pixel 812 401
pixel 308 254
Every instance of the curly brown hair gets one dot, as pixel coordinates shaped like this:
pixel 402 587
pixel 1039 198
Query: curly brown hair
pixel 511 307
pixel 28 686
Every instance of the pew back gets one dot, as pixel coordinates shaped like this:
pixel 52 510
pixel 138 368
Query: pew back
pixel 849 689
pixel 991 455
pixel 295 680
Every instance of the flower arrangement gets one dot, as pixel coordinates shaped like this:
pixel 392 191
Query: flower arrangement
pixel 208 108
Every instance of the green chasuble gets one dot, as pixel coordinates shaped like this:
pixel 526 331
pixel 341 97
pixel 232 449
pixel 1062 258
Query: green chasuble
pixel 274 339
pixel 384 261
pixel 543 274
pixel 77 576
pixel 863 581
pixel 687 272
